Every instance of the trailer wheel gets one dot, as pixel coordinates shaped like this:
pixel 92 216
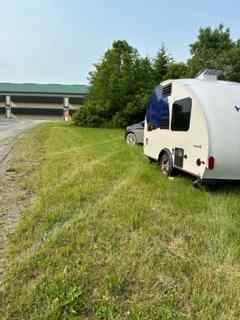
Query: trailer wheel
pixel 166 164
pixel 198 184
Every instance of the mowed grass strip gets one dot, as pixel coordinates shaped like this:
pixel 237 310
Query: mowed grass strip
pixel 108 237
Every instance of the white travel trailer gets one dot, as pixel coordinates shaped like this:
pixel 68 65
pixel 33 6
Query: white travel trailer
pixel 194 125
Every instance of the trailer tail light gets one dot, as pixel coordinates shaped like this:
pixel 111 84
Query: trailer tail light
pixel 211 163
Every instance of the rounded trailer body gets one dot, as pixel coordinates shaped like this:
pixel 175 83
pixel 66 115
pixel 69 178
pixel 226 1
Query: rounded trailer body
pixel 201 130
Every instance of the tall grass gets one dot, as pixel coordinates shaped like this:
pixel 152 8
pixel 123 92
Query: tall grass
pixel 108 237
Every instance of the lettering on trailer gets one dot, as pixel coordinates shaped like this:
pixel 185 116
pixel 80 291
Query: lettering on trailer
pixel 237 108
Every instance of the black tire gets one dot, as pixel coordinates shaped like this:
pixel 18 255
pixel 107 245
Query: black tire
pixel 166 164
pixel 131 138
pixel 197 183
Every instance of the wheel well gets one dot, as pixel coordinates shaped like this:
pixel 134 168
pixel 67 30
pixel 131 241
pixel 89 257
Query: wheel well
pixel 164 151
pixel 127 133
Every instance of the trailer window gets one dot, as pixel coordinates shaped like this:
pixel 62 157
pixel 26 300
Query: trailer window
pixel 158 111
pixel 181 115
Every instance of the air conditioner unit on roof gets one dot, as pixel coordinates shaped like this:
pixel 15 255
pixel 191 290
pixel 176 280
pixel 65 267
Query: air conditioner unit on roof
pixel 209 74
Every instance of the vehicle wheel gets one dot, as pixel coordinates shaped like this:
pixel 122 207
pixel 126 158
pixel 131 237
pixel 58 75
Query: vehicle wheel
pixel 197 183
pixel 131 138
pixel 166 164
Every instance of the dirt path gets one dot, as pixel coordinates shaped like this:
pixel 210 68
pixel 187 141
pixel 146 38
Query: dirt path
pixel 11 195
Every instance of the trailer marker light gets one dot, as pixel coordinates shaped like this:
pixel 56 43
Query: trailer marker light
pixel 211 163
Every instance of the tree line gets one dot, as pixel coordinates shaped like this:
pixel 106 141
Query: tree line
pixel 122 82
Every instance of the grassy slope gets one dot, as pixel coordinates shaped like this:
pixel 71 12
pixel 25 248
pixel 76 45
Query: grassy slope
pixel 108 237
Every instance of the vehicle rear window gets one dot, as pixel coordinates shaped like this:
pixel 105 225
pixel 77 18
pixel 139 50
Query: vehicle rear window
pixel 181 114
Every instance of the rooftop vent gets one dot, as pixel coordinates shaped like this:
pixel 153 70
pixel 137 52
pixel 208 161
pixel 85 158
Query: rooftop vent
pixel 210 74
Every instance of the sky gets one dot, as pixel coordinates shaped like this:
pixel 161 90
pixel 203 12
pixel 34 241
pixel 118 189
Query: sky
pixel 60 40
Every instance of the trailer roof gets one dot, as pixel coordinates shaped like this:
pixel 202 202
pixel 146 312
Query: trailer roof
pixel 199 82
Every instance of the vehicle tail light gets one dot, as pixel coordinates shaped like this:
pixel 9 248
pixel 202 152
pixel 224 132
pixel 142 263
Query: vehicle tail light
pixel 211 163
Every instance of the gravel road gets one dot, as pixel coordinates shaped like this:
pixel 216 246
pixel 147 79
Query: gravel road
pixel 9 131
pixel 10 206
pixel 11 128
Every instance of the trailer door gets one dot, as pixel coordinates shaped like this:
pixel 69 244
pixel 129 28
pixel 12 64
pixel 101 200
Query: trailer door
pixel 181 119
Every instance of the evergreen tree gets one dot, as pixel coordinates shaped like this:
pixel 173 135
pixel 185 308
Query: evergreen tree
pixel 160 65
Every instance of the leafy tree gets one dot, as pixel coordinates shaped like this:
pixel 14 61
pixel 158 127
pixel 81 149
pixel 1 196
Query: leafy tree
pixel 134 111
pixel 176 70
pixel 135 108
pixel 144 74
pixel 116 85
pixel 232 64
pixel 210 49
pixel 113 80
pixel 123 80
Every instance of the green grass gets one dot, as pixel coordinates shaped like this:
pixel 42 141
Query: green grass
pixel 109 237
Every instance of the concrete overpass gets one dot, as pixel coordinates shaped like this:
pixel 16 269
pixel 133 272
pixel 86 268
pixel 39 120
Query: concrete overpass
pixel 41 99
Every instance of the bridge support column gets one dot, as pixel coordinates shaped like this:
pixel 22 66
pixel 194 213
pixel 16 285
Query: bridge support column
pixel 66 106
pixel 8 106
